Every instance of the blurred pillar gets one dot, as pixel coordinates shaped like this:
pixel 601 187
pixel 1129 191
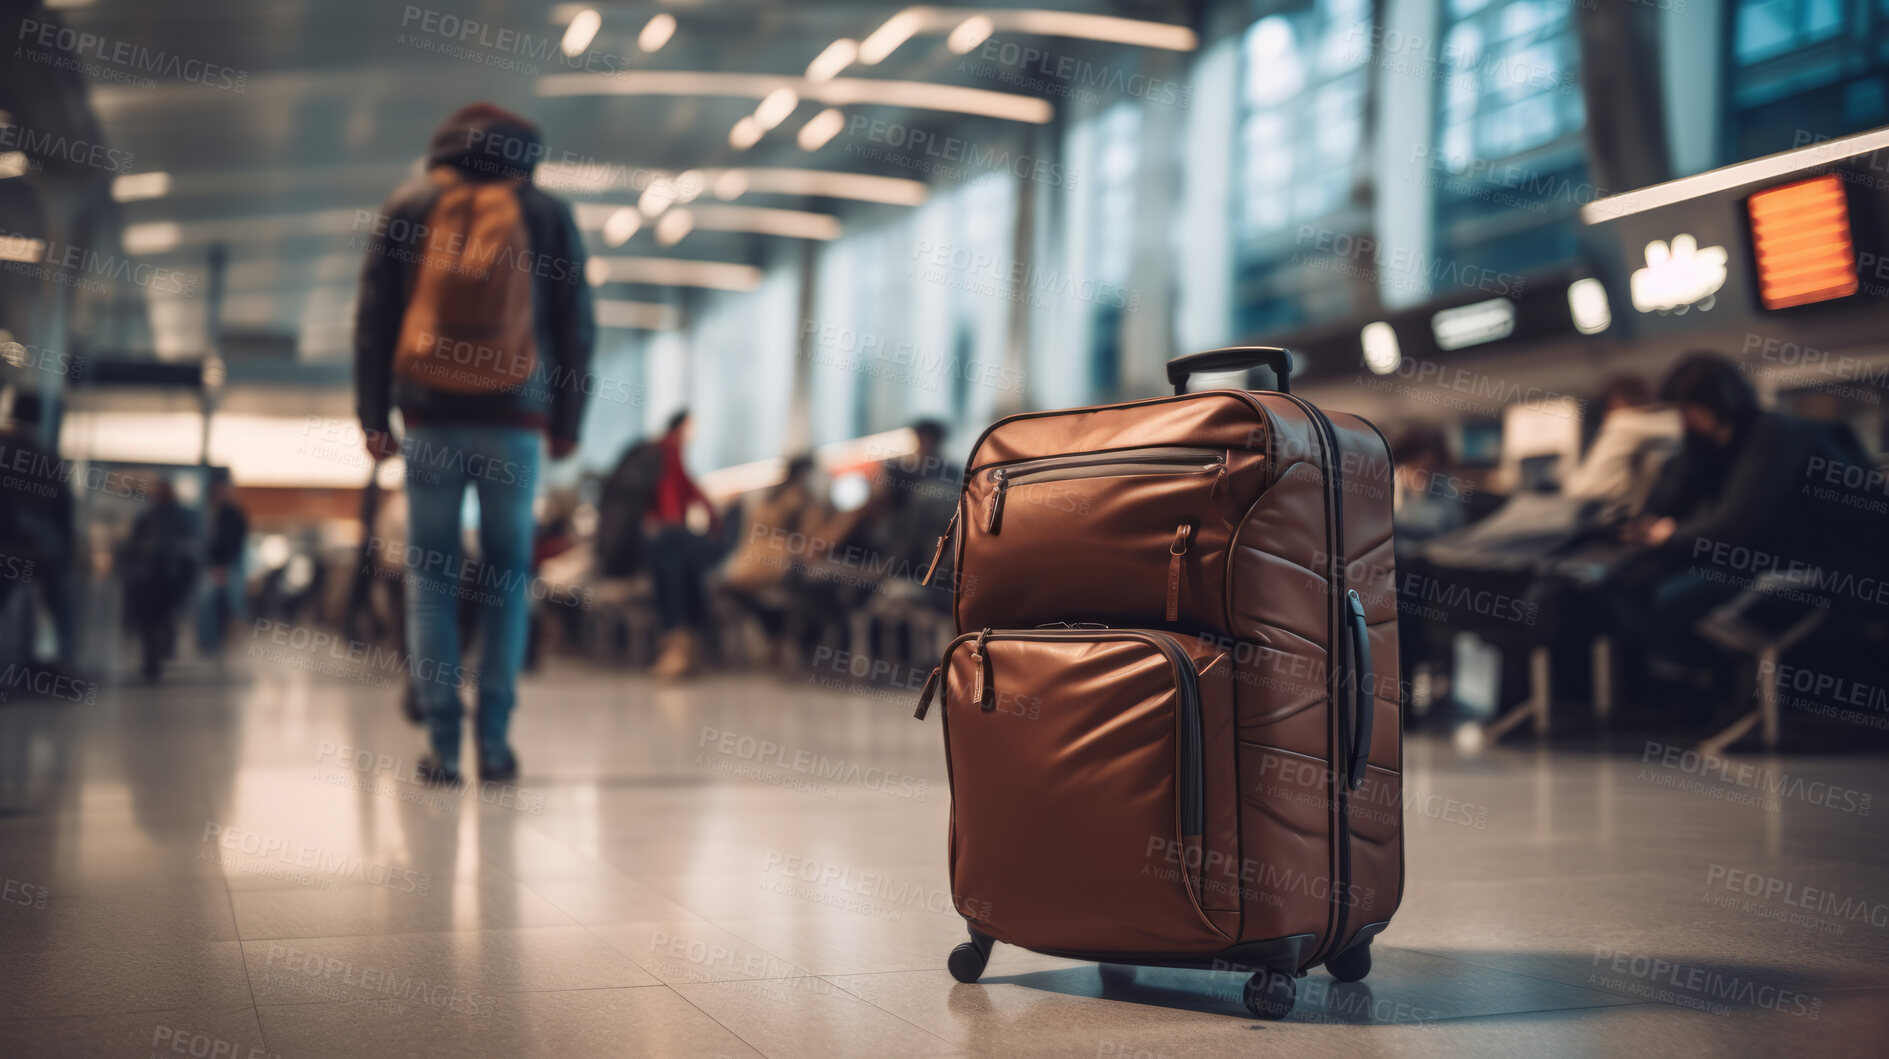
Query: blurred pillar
pixel 1147 318
pixel 1202 244
pixel 217 264
pixel 1038 144
pixel 1403 129
pixel 1620 81
pixel 1692 39
pixel 800 401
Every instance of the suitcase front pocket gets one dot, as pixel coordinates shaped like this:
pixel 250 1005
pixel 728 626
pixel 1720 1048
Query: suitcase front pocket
pixel 1129 537
pixel 1076 764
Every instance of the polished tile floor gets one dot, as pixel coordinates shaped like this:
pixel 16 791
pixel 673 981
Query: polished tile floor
pixel 756 866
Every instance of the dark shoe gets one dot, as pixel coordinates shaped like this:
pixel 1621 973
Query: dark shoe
pixel 431 772
pixel 410 706
pixel 498 767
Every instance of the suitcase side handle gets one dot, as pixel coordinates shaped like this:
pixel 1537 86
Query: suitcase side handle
pixel 1232 358
pixel 1362 681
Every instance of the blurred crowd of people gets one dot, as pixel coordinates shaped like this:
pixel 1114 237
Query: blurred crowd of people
pixel 1693 531
pixel 1694 525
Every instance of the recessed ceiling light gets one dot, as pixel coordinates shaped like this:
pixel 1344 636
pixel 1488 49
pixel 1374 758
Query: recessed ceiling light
pixel 674 225
pixel 970 33
pixel 657 32
pixel 821 128
pixel 656 197
pixel 745 134
pixel 837 56
pixel 621 225
pixel 730 185
pixel 886 39
pixel 135 186
pixel 581 31
pixel 775 107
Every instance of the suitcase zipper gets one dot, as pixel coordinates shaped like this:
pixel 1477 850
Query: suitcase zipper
pixel 938 552
pixel 980 679
pixel 1191 779
pixel 1177 569
pixel 1161 460
pixel 1335 514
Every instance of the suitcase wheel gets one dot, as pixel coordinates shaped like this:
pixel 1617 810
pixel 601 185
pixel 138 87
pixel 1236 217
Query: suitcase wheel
pixel 967 960
pixel 1352 964
pixel 1116 975
pixel 1269 994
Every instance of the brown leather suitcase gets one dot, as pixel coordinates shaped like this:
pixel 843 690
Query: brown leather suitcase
pixel 1172 718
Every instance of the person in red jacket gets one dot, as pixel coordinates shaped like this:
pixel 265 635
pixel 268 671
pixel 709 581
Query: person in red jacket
pixel 680 524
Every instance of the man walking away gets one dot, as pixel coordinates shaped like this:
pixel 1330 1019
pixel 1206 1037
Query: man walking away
pixel 475 321
pixel 223 555
pixel 159 561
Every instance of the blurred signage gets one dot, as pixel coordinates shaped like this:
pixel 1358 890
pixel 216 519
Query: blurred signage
pixel 1800 235
pixel 1473 324
pixel 1678 276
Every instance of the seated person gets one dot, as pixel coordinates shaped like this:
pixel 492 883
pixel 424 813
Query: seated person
pixel 761 574
pixel 1730 507
pixel 1618 469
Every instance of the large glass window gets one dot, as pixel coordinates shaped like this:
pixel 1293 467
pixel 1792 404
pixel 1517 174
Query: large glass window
pixel 1508 168
pixel 1302 154
pixel 1303 88
pixel 1509 84
pixel 1804 69
pixel 1118 154
pixel 1769 28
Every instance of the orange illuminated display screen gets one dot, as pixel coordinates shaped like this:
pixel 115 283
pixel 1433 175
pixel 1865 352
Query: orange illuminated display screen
pixel 1801 233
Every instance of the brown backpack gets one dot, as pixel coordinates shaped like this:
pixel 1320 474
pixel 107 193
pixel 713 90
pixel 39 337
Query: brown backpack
pixel 467 327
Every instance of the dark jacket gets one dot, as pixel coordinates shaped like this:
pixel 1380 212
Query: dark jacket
pixel 229 531
pixel 484 143
pixel 1761 492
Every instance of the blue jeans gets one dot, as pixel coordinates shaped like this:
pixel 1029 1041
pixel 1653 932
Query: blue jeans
pixel 221 607
pixel 501 465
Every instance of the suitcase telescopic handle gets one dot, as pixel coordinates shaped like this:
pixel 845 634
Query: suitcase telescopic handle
pixel 1362 679
pixel 1232 358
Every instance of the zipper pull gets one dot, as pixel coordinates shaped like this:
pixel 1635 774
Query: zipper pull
pixel 1175 552
pixel 924 697
pixel 1220 479
pixel 996 500
pixel 981 678
pixel 938 553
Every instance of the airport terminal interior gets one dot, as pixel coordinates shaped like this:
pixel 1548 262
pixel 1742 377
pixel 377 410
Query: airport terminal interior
pixel 502 503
